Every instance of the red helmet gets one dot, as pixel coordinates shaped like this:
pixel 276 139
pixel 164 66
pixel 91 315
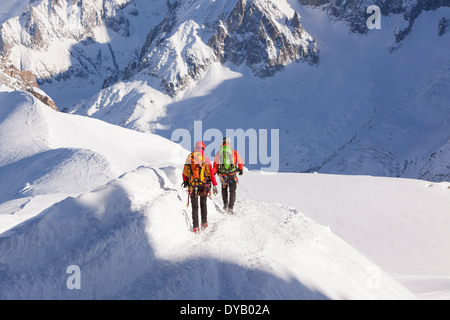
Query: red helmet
pixel 199 145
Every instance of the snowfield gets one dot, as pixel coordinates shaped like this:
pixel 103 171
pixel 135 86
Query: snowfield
pixel 130 236
pixel 400 224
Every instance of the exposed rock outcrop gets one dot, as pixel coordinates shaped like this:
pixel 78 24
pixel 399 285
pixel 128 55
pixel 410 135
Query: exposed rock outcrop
pixel 16 79
pixel 443 26
pixel 354 11
pixel 65 39
pixel 255 32
pixel 252 34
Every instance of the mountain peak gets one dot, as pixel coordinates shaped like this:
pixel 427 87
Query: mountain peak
pixel 194 35
pixel 253 34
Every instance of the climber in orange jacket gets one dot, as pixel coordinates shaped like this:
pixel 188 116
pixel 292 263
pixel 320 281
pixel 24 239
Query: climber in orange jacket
pixel 197 177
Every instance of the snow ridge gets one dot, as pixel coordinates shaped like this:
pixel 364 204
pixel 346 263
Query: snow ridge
pixel 129 224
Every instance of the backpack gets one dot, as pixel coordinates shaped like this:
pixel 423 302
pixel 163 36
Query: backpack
pixel 197 170
pixel 226 160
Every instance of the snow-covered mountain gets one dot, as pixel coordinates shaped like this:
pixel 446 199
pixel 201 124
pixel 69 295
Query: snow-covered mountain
pixel 343 102
pixel 354 12
pixel 103 40
pixel 79 188
pixel 86 43
pixel 195 34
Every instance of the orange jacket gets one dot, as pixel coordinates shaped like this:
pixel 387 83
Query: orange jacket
pixel 237 161
pixel 208 162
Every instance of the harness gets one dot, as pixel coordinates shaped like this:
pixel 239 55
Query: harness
pixel 195 191
pixel 226 179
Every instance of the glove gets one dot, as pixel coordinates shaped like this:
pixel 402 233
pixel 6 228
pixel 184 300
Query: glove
pixel 241 172
pixel 184 184
pixel 215 190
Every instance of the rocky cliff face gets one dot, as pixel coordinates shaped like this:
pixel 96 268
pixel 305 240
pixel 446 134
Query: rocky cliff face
pixel 65 39
pixel 252 34
pixel 91 40
pixel 354 11
pixel 16 79
pixel 190 39
pixel 438 166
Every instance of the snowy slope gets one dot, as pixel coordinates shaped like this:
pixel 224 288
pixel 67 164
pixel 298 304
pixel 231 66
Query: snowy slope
pixel 131 239
pixel 59 154
pixel 400 224
pixel 131 236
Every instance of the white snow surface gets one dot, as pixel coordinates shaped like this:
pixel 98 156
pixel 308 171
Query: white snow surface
pixel 130 235
pixel 400 224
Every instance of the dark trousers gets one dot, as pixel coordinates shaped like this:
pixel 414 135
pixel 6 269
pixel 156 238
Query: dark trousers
pixel 231 189
pixel 203 210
